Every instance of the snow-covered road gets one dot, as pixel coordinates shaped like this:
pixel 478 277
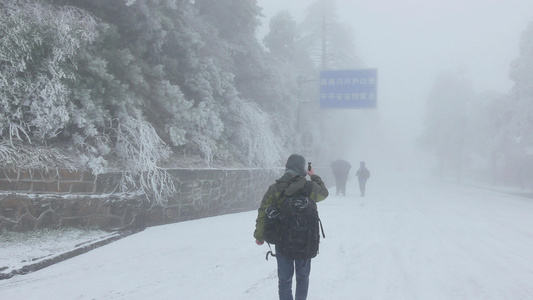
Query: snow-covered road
pixel 408 239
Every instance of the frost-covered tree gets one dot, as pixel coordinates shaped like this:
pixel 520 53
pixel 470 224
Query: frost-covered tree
pixel 38 56
pixel 282 37
pixel 320 41
pixel 176 69
pixel 236 20
pixel 330 43
pixel 447 129
pixel 257 75
pixel 489 136
pixel 254 73
pixel 55 90
pixel 284 42
pixel 522 92
pixel 520 111
pixel 178 62
pixel 293 71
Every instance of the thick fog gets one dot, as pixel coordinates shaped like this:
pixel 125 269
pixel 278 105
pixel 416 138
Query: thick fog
pixel 410 42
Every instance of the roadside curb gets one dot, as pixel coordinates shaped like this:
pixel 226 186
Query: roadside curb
pixel 78 250
pixel 515 193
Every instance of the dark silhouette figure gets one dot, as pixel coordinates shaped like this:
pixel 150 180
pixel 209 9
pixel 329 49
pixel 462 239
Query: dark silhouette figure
pixel 363 174
pixel 340 168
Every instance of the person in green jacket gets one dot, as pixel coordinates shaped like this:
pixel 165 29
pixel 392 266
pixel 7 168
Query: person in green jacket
pixel 293 182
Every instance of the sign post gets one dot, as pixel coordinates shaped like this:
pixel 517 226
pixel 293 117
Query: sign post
pixel 348 88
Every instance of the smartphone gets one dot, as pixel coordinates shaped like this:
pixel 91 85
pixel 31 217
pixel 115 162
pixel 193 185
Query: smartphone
pixel 308 166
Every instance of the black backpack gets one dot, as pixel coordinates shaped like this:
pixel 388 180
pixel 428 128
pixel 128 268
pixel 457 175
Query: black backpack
pixel 294 226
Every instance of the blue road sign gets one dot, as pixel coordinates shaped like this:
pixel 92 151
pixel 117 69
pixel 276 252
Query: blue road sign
pixel 349 88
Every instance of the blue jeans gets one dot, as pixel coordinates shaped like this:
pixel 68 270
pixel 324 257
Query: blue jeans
pixel 286 267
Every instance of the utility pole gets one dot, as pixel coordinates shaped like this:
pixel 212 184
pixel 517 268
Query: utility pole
pixel 324 45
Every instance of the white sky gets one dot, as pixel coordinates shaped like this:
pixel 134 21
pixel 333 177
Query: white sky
pixel 409 238
pixel 411 41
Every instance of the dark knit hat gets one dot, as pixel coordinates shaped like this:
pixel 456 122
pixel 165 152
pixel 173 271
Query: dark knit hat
pixel 296 163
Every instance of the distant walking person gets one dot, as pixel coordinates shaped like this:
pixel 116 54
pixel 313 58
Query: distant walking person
pixel 363 174
pixel 340 168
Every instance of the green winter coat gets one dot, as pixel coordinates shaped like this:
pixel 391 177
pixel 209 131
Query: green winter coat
pixel 295 186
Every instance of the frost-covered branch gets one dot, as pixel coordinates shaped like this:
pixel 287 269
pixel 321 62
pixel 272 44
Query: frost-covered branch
pixel 260 145
pixel 141 150
pixel 16 156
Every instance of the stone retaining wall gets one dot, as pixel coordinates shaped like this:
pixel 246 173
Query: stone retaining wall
pixel 34 199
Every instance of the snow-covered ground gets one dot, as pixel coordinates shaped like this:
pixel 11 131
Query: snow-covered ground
pixel 409 238
pixel 22 249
